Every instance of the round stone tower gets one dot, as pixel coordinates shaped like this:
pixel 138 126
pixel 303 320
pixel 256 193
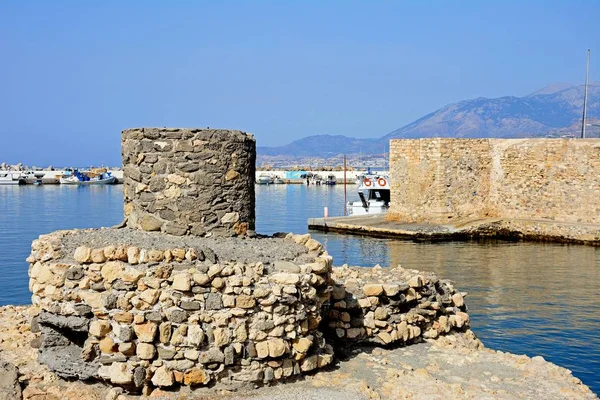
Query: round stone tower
pixel 189 181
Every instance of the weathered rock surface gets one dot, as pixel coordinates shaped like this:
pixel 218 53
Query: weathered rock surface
pixel 162 315
pixel 9 381
pixel 452 366
pixel 189 181
pixel 206 249
pixel 448 179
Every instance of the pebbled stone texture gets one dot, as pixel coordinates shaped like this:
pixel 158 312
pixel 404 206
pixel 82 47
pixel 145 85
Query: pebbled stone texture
pixel 189 181
pixel 9 381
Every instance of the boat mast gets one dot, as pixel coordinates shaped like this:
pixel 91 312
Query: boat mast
pixel 587 76
pixel 345 199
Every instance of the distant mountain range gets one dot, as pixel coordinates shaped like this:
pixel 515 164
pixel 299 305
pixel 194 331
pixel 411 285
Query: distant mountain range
pixel 552 111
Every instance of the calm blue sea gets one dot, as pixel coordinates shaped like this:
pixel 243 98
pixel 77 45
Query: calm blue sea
pixel 526 298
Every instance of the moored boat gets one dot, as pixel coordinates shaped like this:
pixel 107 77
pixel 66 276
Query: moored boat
pixel 374 193
pixel 96 177
pixel 33 177
pixel 331 180
pixel 264 179
pixel 12 178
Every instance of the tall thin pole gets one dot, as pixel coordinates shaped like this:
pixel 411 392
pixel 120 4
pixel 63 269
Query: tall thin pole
pixel 587 77
pixel 345 203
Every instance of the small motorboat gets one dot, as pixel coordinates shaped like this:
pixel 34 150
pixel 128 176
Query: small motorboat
pixel 264 179
pixel 277 180
pixel 96 177
pixel 34 177
pixel 374 193
pixel 12 178
pixel 331 180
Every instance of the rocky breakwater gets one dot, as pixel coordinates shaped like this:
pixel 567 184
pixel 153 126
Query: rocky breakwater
pixel 140 309
pixel 189 181
pixel 392 305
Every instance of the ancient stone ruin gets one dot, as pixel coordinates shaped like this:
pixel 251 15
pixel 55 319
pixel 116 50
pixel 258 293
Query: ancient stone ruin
pixel 186 295
pixel 189 181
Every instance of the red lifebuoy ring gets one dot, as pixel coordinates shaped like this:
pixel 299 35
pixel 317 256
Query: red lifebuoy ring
pixel 367 182
pixel 381 182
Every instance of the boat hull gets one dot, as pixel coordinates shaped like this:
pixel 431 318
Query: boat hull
pixel 106 181
pixel 356 208
pixel 264 181
pixel 12 183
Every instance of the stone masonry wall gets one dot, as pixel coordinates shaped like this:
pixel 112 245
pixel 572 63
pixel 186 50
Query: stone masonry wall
pixel 441 180
pixel 189 181
pixel 152 310
pixel 163 316
pixel 392 306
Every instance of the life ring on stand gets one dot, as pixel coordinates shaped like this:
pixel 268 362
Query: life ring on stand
pixel 367 182
pixel 381 182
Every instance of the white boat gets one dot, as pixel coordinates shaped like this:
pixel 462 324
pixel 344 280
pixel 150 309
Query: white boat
pixel 374 193
pixel 331 180
pixel 11 178
pixel 278 181
pixel 72 180
pixel 34 174
pixel 78 178
pixel 264 179
pixel 34 177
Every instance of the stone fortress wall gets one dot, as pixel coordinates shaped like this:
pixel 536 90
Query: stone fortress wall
pixel 189 181
pixel 211 305
pixel 443 180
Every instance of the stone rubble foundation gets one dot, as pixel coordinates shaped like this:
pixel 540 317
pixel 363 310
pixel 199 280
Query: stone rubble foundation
pixel 138 316
pixel 158 317
pixel 452 366
pixel 392 305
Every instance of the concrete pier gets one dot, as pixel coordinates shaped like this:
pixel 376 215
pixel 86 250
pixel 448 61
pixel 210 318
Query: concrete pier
pixel 491 228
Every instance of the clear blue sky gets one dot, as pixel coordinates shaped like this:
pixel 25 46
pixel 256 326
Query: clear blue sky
pixel 74 74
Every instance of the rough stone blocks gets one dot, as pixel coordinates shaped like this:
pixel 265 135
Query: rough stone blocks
pixel 189 181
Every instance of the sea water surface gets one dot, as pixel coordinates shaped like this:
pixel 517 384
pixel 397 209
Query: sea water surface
pixel 525 298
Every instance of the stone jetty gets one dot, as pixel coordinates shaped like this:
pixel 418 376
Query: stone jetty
pixel 457 189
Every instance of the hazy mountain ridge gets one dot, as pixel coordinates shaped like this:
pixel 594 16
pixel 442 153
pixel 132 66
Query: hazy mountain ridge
pixel 551 110
pixel 325 145
pixel 504 117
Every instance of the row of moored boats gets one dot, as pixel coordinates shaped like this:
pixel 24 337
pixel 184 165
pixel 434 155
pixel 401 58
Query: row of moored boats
pixel 308 178
pixel 96 176
pixel 373 189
